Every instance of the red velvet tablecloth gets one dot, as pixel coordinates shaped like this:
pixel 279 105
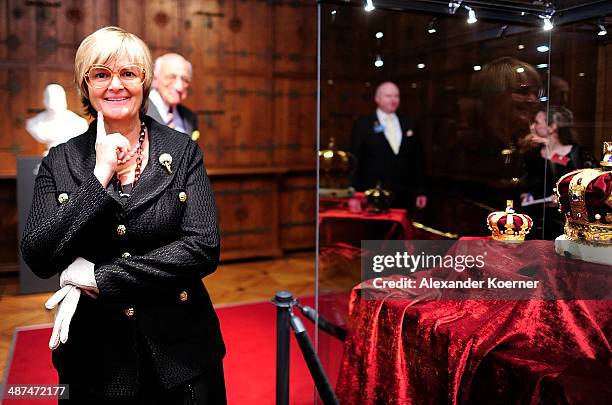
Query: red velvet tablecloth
pixel 423 351
pixel 343 226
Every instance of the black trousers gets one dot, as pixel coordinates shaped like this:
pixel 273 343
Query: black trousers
pixel 206 389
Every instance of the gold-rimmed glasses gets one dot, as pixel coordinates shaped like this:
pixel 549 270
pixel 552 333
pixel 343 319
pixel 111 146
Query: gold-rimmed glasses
pixel 100 76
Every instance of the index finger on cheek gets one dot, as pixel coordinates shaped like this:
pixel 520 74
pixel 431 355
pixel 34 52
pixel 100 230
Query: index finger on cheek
pixel 101 131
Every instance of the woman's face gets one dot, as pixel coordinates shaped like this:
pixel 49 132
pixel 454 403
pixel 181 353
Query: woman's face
pixel 117 101
pixel 540 125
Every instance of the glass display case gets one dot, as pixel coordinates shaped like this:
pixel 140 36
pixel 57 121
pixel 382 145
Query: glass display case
pixel 436 114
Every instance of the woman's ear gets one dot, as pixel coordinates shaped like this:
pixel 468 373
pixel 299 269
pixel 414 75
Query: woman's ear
pixel 553 127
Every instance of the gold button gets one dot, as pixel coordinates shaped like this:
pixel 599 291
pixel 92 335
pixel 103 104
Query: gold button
pixel 125 255
pixel 195 135
pixel 183 296
pixel 62 198
pixel 182 196
pixel 129 312
pixel 121 230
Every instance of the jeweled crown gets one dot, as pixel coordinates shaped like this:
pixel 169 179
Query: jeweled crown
pixel 509 226
pixel 585 199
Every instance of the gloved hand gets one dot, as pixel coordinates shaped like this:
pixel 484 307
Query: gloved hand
pixel 80 274
pixel 68 298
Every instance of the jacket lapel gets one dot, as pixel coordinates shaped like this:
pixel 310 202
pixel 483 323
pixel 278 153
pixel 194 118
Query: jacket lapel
pixel 81 153
pixel 187 121
pixel 154 113
pixel 155 177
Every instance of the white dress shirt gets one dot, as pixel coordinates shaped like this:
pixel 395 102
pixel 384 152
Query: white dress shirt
pixel 393 129
pixel 163 109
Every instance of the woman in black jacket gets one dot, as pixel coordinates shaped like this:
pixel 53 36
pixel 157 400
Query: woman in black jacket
pixel 126 214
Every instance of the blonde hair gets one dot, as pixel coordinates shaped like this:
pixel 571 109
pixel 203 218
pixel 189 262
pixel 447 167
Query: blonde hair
pixel 107 45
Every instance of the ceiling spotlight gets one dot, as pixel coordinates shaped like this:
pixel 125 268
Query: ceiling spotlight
pixel 542 65
pixel 543 48
pixel 379 34
pixel 369 6
pixel 520 70
pixel 477 68
pixel 471 15
pixel 378 62
pixel 547 25
pixel 431 28
pixel 602 27
pixel 421 66
pixel 543 98
pixel 521 46
pixel 333 12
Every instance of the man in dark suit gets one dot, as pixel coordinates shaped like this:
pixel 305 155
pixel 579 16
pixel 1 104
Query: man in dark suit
pixel 388 150
pixel 171 80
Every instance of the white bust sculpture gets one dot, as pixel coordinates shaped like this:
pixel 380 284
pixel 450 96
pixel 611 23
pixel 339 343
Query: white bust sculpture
pixel 56 124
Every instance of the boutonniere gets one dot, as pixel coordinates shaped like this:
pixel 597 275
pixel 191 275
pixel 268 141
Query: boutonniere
pixel 409 133
pixel 378 129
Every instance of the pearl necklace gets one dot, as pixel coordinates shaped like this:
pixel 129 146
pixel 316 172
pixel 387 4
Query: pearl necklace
pixel 135 150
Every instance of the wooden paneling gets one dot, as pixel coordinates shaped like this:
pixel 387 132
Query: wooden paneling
pixel 248 205
pixel 241 134
pixel 295 125
pixel 254 89
pixel 8 223
pixel 295 34
pixel 297 203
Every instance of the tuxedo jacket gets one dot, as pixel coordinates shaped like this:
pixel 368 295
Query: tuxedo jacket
pixel 402 173
pixel 189 117
pixel 150 255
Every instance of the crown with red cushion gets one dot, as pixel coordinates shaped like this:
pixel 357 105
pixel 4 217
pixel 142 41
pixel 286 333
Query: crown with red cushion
pixel 585 198
pixel 508 225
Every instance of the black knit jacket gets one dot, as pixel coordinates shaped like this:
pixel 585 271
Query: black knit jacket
pixel 153 307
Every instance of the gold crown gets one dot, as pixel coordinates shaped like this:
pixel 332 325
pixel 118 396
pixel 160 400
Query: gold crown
pixel 585 198
pixel 509 226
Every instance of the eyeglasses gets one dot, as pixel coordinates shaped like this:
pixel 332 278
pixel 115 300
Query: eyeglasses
pixel 171 78
pixel 100 76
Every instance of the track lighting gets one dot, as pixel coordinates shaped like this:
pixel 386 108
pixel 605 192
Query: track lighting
pixel 369 6
pixel 431 28
pixel 453 5
pixel 471 15
pixel 602 27
pixel 547 25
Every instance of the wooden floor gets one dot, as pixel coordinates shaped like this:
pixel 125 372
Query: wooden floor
pixel 231 283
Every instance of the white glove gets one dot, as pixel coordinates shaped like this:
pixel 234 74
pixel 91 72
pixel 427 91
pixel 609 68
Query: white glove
pixel 67 298
pixel 80 274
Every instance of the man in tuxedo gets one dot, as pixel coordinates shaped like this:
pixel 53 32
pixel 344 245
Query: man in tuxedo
pixel 388 150
pixel 171 80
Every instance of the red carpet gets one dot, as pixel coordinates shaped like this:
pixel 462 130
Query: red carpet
pixel 249 331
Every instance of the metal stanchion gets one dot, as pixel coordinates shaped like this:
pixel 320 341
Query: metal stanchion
pixel 285 319
pixel 284 302
pixel 332 329
pixel 314 365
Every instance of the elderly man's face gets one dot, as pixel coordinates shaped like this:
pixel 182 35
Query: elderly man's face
pixel 173 80
pixel 388 98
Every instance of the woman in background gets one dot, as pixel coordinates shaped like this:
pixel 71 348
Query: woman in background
pixel 554 152
pixel 126 214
